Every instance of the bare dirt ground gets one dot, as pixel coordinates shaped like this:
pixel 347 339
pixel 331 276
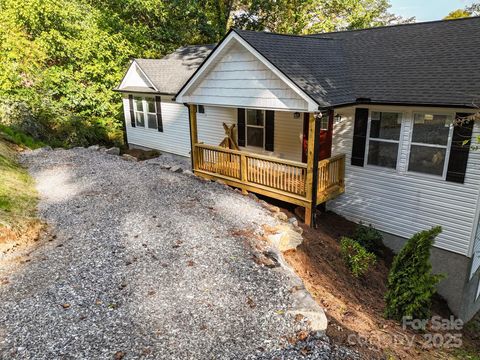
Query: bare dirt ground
pixel 354 306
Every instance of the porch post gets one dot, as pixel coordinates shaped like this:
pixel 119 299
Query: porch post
pixel 312 168
pixel 192 114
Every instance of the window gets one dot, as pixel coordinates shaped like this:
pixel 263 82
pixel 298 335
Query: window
pixel 429 143
pixel 384 139
pixel 255 127
pixel 324 120
pixel 145 111
pixel 139 116
pixel 200 109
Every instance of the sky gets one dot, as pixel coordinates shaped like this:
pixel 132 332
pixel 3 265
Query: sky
pixel 427 10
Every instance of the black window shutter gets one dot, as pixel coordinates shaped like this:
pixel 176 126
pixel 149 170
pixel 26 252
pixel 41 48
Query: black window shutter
pixel 241 126
pixel 359 137
pixel 269 130
pixel 457 163
pixel 132 114
pixel 158 107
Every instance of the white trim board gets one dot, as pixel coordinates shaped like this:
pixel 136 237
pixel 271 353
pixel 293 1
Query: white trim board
pixel 135 67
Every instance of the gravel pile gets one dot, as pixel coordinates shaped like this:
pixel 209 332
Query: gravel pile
pixel 146 263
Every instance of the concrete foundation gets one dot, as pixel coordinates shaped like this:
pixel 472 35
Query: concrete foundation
pixel 457 288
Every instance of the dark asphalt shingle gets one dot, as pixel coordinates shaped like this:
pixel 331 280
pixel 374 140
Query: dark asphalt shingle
pixel 435 63
pixel 171 72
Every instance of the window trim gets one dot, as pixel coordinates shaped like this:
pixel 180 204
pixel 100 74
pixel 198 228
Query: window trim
pixel 399 141
pixel 447 147
pixel 145 111
pixel 255 126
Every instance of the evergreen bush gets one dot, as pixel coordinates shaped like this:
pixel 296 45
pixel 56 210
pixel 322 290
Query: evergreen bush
pixel 411 284
pixel 369 237
pixel 356 257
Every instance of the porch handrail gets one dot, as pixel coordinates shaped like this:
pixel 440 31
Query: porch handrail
pixel 252 155
pixel 257 170
pixel 331 178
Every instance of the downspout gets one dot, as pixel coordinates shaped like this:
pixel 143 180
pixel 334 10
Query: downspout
pixel 316 151
pixel 190 131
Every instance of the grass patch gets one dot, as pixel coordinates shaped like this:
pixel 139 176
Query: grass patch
pixel 18 197
pixel 19 138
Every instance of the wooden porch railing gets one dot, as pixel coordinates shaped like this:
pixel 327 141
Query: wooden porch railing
pixel 270 176
pixel 331 178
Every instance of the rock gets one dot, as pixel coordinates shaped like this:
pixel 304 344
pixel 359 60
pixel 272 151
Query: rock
pixel 129 157
pixel 188 172
pixel 285 238
pixel 166 167
pixel 293 220
pixel 252 196
pixel 272 208
pixel 176 169
pixel 297 228
pixel 316 317
pixel 94 147
pixel 113 151
pixel 46 148
pixel 281 216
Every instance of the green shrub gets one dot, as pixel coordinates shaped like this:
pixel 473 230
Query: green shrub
pixel 19 138
pixel 410 282
pixel 369 237
pixel 356 257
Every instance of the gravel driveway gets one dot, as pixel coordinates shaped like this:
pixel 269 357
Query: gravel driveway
pixel 143 262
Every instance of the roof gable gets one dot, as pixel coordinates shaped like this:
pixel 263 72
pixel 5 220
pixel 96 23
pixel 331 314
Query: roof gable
pixel 235 74
pixel 135 78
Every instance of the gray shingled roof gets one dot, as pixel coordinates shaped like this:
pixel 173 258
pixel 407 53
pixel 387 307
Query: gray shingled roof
pixel 435 63
pixel 171 72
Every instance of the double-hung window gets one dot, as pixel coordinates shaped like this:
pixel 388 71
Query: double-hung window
pixel 255 128
pixel 429 143
pixel 138 110
pixel 144 109
pixel 384 139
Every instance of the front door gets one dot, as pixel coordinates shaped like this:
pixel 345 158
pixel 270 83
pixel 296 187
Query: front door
pixel 326 133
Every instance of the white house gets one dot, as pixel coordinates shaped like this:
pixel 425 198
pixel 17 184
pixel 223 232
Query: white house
pixel 365 121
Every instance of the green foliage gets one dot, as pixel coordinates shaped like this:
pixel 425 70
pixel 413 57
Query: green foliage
pixel 356 257
pixel 19 138
pixel 18 198
pixel 457 14
pixel 313 16
pixel 369 237
pixel 62 58
pixel 411 284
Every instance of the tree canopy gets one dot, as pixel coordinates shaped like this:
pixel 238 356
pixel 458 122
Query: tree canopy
pixel 62 58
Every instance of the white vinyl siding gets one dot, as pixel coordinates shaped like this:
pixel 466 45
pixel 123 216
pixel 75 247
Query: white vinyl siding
pixel 175 137
pixel 476 252
pixel 239 79
pixel 403 203
pixel 135 77
pixel 210 124
pixel 287 135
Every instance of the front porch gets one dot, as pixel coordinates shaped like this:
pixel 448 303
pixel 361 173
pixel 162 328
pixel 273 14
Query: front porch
pixel 305 184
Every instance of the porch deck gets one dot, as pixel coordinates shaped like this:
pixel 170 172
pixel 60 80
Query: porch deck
pixel 282 179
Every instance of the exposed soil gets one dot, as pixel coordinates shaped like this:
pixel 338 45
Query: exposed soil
pixel 355 306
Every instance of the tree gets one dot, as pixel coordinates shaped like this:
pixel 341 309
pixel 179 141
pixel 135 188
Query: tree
pixel 411 285
pixel 472 10
pixel 310 16
pixel 458 14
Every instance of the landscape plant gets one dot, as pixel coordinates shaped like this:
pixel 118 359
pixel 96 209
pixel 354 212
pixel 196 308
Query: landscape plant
pixel 369 237
pixel 356 257
pixel 411 283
